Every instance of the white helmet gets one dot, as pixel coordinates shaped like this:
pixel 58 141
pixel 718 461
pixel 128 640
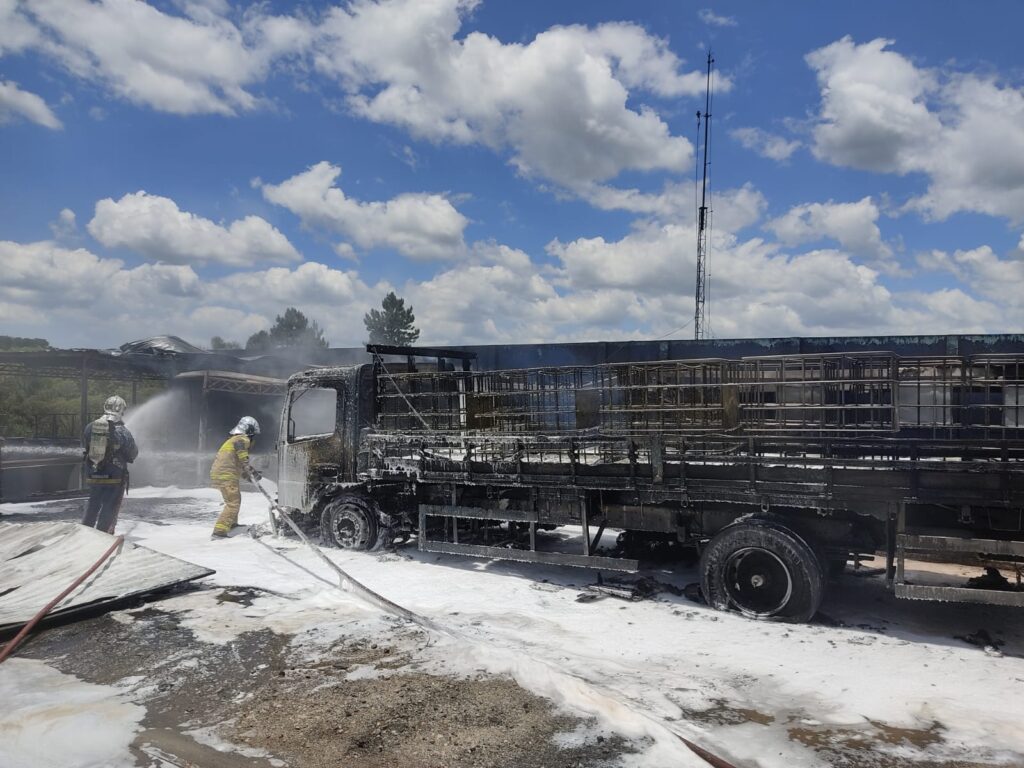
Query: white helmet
pixel 114 407
pixel 247 425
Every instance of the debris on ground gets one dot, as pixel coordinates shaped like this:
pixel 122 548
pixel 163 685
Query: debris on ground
pixel 625 589
pixel 991 579
pixel 982 639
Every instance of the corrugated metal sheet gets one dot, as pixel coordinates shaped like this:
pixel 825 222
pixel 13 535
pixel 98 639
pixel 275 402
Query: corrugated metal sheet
pixel 39 560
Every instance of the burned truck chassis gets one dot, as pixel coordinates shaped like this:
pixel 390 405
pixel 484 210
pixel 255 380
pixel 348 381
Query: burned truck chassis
pixel 697 462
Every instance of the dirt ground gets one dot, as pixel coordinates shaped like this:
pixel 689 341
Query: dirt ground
pixel 254 701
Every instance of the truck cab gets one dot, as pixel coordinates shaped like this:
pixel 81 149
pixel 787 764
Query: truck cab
pixel 324 411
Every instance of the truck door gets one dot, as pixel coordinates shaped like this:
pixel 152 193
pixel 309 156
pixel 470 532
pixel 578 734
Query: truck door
pixel 309 445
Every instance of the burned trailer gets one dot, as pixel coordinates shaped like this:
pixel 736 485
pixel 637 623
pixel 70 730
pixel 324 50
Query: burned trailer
pixel 776 469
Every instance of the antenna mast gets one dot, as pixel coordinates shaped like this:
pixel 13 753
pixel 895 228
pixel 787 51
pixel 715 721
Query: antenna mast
pixel 703 220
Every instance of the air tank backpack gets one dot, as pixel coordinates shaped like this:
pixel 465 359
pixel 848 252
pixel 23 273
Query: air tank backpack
pixel 101 443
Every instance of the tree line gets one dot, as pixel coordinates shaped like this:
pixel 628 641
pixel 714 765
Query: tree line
pixel 394 323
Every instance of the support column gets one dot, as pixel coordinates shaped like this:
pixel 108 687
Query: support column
pixel 83 412
pixel 201 440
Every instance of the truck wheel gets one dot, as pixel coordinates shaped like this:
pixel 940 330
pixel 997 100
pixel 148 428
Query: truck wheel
pixel 763 570
pixel 350 522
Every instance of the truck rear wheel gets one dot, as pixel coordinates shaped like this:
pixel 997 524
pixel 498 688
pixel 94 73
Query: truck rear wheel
pixel 763 570
pixel 350 522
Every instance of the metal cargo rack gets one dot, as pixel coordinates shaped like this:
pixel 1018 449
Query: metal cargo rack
pixel 865 432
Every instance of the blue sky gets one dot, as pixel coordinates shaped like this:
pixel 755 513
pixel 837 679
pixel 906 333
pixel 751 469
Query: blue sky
pixel 518 171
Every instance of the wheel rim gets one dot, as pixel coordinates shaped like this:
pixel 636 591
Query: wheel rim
pixel 758 582
pixel 349 528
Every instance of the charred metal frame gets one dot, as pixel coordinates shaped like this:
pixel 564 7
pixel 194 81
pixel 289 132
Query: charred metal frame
pixel 852 433
pixel 864 451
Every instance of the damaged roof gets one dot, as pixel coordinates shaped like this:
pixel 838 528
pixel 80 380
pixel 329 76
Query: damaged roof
pixel 39 560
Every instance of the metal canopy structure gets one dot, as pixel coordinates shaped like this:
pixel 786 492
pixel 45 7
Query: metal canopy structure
pixel 83 365
pixel 73 363
pixel 242 383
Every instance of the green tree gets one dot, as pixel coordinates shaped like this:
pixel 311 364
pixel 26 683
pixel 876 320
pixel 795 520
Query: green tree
pixel 218 343
pixel 292 329
pixel 21 344
pixel 392 324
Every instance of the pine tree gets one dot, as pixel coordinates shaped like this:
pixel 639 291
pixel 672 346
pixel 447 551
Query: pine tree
pixel 218 343
pixel 393 325
pixel 292 329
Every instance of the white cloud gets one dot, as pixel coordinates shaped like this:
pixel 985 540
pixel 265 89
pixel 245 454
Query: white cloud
pixel 418 225
pixel 756 289
pixel 1001 280
pixel 558 102
pixel 193 64
pixel 853 225
pixel 965 132
pixel 17 33
pixel 637 287
pixel 565 105
pixel 734 209
pixel 50 278
pixel 712 19
pixel 156 228
pixel 16 103
pixel 65 227
pixel 766 144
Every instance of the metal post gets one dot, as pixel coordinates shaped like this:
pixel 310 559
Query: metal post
pixel 201 440
pixel 585 523
pixel 135 392
pixel 83 412
pixel 84 392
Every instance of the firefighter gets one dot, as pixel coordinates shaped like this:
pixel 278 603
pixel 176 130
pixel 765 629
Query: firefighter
pixel 109 449
pixel 231 462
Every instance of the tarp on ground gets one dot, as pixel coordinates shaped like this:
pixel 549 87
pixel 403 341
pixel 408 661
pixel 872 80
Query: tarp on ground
pixel 39 560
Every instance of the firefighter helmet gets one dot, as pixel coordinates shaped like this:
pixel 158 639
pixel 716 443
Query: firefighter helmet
pixel 114 407
pixel 247 425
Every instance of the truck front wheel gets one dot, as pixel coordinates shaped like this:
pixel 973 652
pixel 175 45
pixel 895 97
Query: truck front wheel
pixel 763 570
pixel 350 522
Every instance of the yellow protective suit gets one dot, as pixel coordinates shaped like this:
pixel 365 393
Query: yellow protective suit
pixel 231 462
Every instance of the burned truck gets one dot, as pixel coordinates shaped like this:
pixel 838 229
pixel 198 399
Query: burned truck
pixel 775 470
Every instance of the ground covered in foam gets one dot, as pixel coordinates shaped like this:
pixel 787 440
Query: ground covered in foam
pixel 874 682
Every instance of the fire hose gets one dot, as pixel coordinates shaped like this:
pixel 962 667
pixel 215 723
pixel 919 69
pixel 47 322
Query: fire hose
pixel 351 585
pixel 9 648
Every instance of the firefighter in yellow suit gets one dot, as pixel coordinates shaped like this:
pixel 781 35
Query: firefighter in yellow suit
pixel 230 464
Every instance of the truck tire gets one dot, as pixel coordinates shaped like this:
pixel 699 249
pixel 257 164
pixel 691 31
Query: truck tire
pixel 350 522
pixel 763 570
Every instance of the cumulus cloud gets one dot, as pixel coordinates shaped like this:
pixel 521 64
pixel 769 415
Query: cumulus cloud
pixel 756 288
pixel 881 112
pixel 418 225
pixel 18 104
pixel 558 103
pixel 734 209
pixel 565 106
pixel 712 19
pixel 156 228
pixel 764 143
pixel 65 227
pixel 192 64
pixel 853 225
pixel 1001 280
pixel 50 278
